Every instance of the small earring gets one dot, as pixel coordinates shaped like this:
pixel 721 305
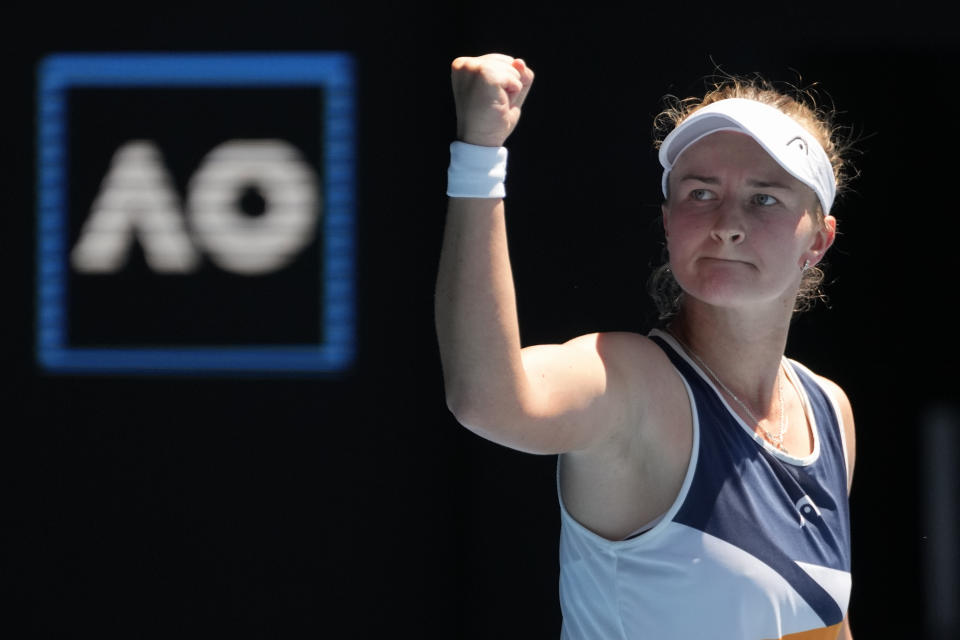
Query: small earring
pixel 806 265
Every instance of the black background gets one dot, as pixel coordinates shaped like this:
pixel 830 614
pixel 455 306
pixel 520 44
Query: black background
pixel 355 506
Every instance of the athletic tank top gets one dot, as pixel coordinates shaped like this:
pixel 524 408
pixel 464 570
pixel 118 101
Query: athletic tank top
pixel 756 546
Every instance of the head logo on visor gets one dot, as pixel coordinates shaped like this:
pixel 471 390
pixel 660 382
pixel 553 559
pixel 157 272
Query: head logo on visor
pixel 793 147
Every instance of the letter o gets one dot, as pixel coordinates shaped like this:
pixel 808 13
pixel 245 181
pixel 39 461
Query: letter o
pixel 245 244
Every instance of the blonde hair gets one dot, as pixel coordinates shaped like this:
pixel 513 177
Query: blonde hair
pixel 801 105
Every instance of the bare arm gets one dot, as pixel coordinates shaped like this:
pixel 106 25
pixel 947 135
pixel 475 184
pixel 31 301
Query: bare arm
pixel 846 415
pixel 847 412
pixel 540 399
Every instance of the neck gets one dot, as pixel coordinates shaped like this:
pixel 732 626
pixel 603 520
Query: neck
pixel 742 349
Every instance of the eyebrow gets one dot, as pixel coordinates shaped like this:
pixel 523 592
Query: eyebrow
pixel 763 184
pixel 705 179
pixel 759 184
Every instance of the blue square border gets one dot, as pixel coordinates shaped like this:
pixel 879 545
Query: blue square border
pixel 331 71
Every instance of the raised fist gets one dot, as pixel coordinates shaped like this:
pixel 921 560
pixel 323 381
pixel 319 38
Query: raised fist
pixel 488 92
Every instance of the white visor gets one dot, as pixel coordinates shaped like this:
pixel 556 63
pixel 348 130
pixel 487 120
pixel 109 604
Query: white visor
pixel 793 147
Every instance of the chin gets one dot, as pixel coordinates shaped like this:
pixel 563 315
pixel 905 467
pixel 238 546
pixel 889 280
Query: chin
pixel 714 289
pixel 729 292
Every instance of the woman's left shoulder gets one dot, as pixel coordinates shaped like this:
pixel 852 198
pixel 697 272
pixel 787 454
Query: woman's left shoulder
pixel 831 388
pixel 845 410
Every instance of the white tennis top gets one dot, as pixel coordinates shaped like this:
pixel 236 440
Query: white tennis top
pixel 755 547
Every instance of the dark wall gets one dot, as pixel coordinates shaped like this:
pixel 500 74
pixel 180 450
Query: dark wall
pixel 354 506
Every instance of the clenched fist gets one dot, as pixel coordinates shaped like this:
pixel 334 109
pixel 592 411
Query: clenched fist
pixel 488 92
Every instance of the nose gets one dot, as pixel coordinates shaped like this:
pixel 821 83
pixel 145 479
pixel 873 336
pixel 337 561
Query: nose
pixel 728 225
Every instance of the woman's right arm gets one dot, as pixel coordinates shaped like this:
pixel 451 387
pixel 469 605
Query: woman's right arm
pixel 544 399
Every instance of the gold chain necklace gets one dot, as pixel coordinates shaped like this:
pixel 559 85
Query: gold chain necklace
pixel 776 440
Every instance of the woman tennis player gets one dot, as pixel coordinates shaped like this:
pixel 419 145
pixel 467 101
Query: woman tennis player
pixel 703 476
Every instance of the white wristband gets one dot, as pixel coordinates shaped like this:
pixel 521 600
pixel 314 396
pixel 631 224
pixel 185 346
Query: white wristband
pixel 476 172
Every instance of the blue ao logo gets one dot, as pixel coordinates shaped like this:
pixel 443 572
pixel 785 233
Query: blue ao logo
pixel 196 213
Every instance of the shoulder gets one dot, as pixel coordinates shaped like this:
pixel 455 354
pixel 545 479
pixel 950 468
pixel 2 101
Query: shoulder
pixel 632 358
pixel 645 384
pixel 618 347
pixel 845 411
pixel 634 374
pixel 621 353
pixel 591 391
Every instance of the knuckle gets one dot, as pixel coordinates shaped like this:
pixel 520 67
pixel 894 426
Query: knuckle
pixel 465 63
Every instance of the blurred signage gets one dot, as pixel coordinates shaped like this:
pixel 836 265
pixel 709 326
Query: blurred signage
pixel 195 213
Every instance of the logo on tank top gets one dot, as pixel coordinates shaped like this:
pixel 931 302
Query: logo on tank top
pixel 806 509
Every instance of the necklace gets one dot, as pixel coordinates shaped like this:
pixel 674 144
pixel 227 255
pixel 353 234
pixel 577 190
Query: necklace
pixel 776 440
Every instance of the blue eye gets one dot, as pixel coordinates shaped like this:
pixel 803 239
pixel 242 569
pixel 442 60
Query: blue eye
pixel 701 194
pixel 764 200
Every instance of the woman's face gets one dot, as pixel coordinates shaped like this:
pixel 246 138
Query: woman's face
pixel 738 226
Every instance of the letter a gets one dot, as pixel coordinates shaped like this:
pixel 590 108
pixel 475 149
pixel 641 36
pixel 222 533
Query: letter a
pixel 136 201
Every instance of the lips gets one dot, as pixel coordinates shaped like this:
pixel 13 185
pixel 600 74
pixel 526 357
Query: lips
pixel 727 261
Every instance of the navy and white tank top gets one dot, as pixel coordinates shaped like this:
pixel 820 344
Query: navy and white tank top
pixel 755 547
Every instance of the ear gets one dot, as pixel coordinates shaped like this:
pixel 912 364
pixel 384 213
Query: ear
pixel 822 240
pixel 665 214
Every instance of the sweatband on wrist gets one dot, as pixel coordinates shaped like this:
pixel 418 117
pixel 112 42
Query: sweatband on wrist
pixel 476 172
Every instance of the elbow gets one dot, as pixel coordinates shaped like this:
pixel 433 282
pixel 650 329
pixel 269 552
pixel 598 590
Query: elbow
pixel 492 418
pixel 463 406
pixel 480 411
